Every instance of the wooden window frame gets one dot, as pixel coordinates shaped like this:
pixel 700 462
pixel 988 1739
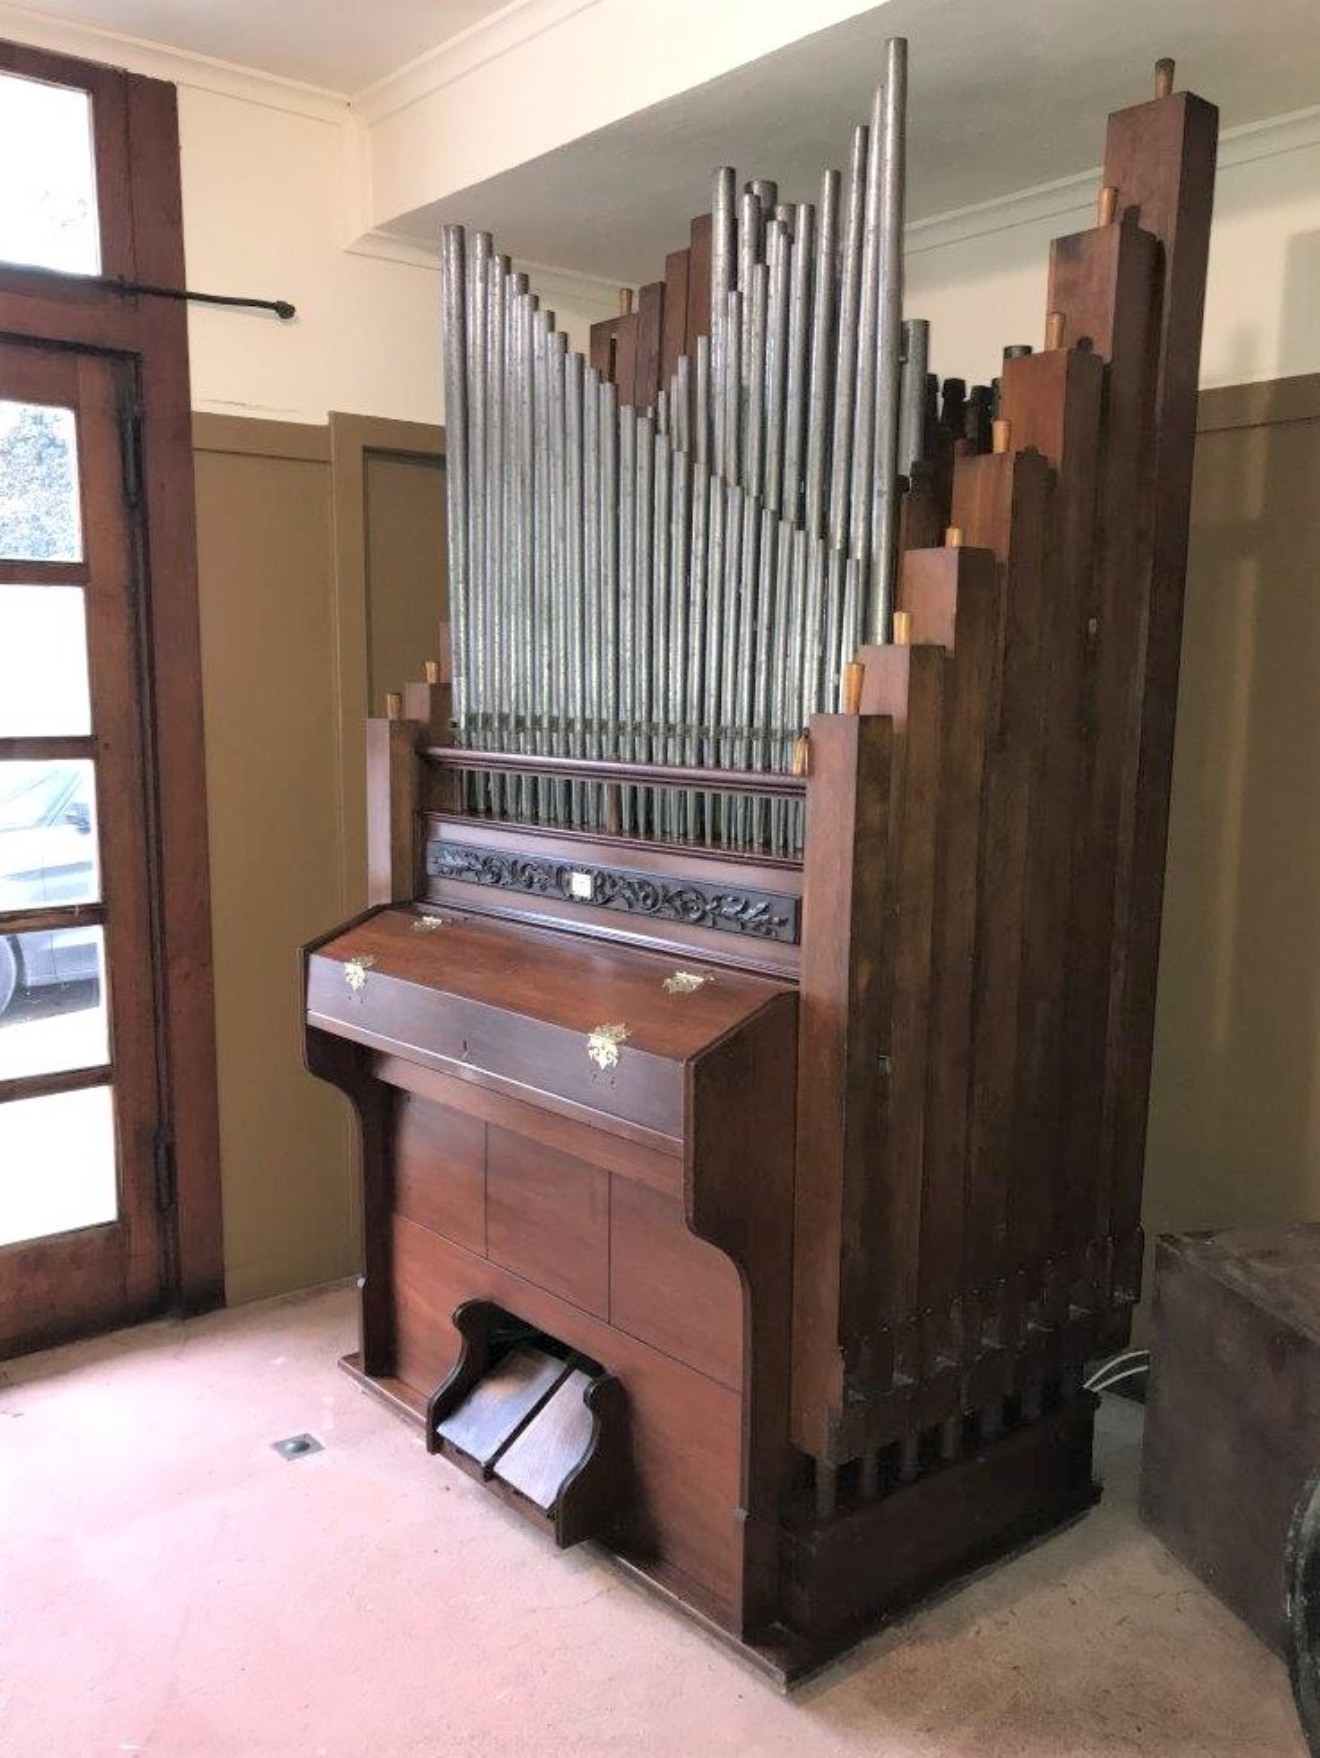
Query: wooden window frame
pixel 140 210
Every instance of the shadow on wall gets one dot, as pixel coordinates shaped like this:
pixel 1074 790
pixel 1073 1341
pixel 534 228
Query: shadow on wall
pixel 1235 1105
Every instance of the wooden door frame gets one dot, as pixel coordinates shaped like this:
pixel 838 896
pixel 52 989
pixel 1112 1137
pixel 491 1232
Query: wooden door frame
pixel 354 441
pixel 137 138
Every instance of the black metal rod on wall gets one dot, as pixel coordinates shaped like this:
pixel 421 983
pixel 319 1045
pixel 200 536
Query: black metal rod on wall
pixel 120 284
pixel 281 307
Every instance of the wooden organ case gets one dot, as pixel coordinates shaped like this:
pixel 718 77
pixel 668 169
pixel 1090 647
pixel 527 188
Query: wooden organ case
pixel 751 1028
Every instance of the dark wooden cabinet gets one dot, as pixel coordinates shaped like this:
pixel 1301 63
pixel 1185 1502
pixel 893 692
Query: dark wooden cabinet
pixel 597 1143
pixel 1233 1424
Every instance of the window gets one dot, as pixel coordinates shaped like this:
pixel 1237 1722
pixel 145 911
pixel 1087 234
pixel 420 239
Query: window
pixel 48 212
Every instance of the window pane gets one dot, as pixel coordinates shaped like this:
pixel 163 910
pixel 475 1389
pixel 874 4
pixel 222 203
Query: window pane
pixel 52 1002
pixel 57 1164
pixel 47 835
pixel 48 192
pixel 43 662
pixel 40 519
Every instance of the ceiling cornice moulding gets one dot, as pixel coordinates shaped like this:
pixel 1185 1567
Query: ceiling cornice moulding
pixel 181 67
pixel 522 21
pixel 1277 135
pixel 589 295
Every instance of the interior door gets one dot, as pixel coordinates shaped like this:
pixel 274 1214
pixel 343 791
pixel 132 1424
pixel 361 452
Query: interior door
pixel 84 1182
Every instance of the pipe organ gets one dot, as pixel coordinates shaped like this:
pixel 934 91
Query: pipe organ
pixel 750 1030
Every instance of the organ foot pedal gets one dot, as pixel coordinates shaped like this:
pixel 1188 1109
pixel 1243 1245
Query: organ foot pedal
pixel 538 1423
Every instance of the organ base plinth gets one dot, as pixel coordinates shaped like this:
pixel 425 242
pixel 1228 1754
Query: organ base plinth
pixel 846 1577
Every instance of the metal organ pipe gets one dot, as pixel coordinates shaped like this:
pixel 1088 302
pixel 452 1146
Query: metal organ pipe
pixel 683 584
pixel 884 491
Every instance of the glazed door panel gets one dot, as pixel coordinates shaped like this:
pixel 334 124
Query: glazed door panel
pixel 82 1234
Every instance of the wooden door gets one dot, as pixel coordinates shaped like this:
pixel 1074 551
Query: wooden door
pixel 84 1154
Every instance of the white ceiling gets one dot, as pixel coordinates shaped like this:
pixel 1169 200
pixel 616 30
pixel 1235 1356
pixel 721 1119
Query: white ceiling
pixel 342 45
pixel 1004 95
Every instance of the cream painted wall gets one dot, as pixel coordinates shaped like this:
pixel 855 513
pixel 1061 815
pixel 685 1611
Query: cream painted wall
pixel 273 205
pixel 265 197
pixel 263 213
pixel 981 279
pixel 267 207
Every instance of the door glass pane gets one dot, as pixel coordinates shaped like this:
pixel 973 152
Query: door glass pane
pixel 52 1002
pixel 57 1164
pixel 48 192
pixel 40 519
pixel 47 835
pixel 43 662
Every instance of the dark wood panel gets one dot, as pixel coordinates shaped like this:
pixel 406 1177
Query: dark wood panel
pixel 1003 503
pixel 426 1344
pixel 393 803
pixel 440 1170
pixel 46 1297
pixel 29 573
pixel 907 685
pixel 38 1086
pixel 684 1429
pixel 901 1546
pixel 670 1288
pixel 1161 159
pixel 1234 1402
pixel 1106 281
pixel 601 345
pixel 650 343
pixel 844 1014
pixel 662 1172
pixel 741 1172
pixel 640 1094
pixel 547 1218
pixel 57 748
pixel 698 296
pixel 675 325
pixel 160 338
pixel 625 359
pixel 331 1058
pixel 954 597
pixel 500 1404
pixel 1054 403
pixel 547 980
pixel 553 1444
pixel 685 946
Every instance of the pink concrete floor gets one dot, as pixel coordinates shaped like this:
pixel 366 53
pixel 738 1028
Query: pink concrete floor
pixel 169 1585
